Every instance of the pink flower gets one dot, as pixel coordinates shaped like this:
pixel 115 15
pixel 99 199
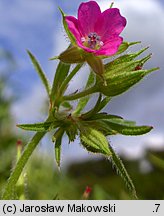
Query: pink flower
pixel 97 32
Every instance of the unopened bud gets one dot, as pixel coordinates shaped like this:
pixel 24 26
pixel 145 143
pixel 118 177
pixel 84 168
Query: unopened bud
pixel 19 148
pixel 87 192
pixel 19 143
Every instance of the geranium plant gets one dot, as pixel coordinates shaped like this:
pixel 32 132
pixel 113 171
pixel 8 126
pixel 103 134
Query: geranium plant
pixel 94 36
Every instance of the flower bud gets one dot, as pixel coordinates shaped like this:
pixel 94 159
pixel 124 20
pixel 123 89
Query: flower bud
pixel 87 192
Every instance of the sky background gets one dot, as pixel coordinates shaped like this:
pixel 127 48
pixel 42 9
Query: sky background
pixel 36 25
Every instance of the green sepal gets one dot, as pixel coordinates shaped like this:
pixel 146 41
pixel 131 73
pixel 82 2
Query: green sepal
pixel 120 168
pixel 94 141
pixel 40 127
pixel 40 72
pixel 84 100
pixel 121 82
pixel 72 55
pixel 95 63
pixel 70 35
pixel 125 45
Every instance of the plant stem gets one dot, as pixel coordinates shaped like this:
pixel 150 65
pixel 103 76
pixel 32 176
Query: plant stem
pixel 69 77
pixel 8 192
pixel 84 93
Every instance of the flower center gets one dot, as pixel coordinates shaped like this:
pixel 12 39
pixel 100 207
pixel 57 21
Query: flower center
pixel 92 41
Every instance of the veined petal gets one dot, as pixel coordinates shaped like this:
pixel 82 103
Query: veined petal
pixel 110 47
pixel 88 14
pixel 73 26
pixel 110 23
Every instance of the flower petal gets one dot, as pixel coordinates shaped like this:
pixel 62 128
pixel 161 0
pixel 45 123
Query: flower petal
pixel 110 23
pixel 88 14
pixel 87 49
pixel 73 26
pixel 110 47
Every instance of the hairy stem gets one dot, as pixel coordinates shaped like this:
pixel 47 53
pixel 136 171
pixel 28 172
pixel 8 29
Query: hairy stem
pixel 8 192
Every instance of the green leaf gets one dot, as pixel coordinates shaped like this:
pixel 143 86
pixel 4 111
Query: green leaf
pixel 40 127
pixel 101 126
pixel 122 122
pixel 84 100
pixel 122 171
pixel 126 127
pixel 94 141
pixel 40 72
pixel 57 138
pixel 112 125
pixel 103 116
pixel 121 82
pixel 70 35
